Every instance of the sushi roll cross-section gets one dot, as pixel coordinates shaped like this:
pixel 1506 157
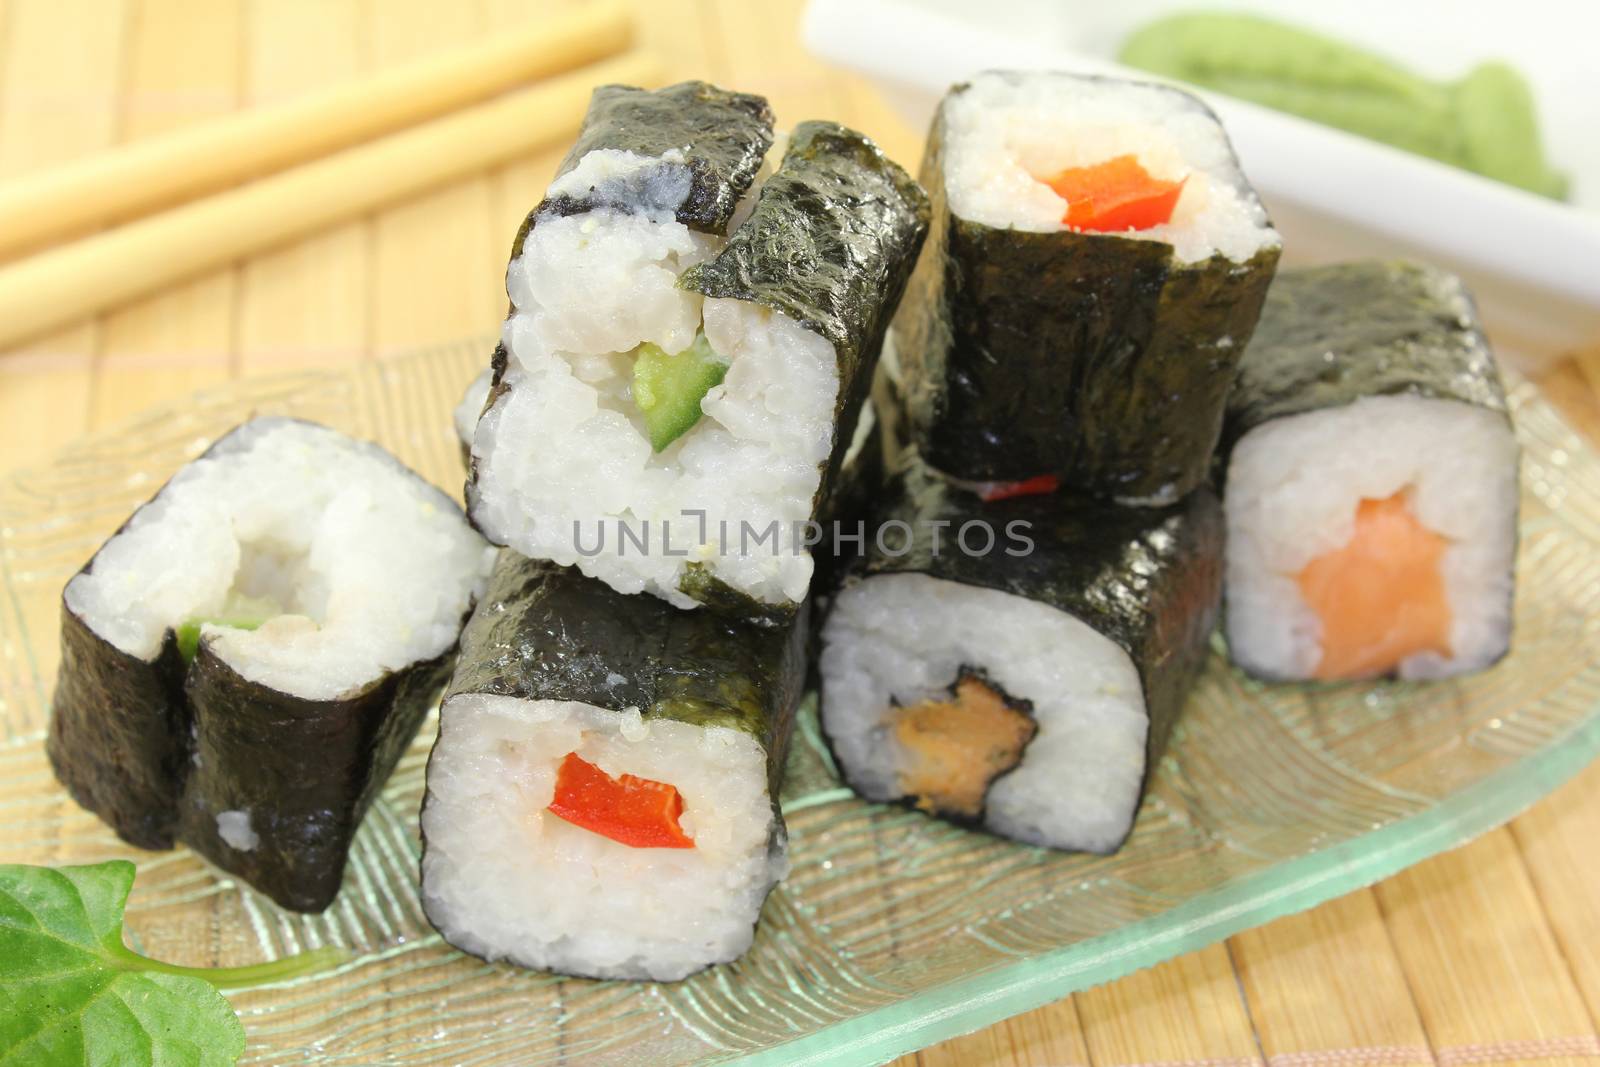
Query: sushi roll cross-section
pixel 246 659
pixel 1371 481
pixel 1096 262
pixel 686 353
pixel 1018 664
pixel 601 799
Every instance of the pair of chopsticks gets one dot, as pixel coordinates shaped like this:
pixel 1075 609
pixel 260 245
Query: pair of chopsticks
pixel 320 158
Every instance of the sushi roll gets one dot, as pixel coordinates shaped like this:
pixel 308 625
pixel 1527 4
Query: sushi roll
pixel 601 800
pixel 1371 481
pixel 1095 267
pixel 685 359
pixel 244 662
pixel 1017 665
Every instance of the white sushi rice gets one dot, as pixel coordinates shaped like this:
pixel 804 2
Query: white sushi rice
pixel 233 827
pixel 1009 131
pixel 901 639
pixel 564 453
pixel 470 406
pixel 1293 488
pixel 503 878
pixel 656 186
pixel 360 566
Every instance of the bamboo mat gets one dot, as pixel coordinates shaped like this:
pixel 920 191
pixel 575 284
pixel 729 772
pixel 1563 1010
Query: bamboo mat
pixel 1490 954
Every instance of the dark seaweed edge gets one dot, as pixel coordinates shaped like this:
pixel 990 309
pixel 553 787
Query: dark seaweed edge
pixel 1331 335
pixel 324 760
pixel 723 135
pixel 118 732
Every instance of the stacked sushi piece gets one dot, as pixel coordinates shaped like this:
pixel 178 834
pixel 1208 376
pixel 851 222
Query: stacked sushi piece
pixel 691 337
pixel 1071 364
pixel 1094 271
pixel 685 349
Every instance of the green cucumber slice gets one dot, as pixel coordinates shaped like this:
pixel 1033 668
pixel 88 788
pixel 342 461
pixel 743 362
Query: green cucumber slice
pixel 188 631
pixel 668 388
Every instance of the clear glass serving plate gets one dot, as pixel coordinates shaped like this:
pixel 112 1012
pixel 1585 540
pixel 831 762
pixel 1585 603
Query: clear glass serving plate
pixel 893 931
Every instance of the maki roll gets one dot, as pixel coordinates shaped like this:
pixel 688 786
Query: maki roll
pixel 1018 664
pixel 601 800
pixel 684 359
pixel 1371 481
pixel 246 659
pixel 1096 264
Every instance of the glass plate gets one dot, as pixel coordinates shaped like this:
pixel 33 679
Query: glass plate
pixel 894 930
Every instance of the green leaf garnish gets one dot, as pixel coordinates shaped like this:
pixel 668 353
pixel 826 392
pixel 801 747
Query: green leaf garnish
pixel 668 389
pixel 77 995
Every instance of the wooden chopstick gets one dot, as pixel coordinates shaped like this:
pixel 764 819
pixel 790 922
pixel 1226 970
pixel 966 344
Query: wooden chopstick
pixel 124 182
pixel 81 278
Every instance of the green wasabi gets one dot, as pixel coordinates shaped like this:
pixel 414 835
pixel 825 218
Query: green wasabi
pixel 668 388
pixel 1484 123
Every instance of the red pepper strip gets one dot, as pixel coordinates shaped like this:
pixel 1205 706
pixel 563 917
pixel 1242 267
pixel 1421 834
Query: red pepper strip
pixel 1118 194
pixel 636 812
pixel 1038 485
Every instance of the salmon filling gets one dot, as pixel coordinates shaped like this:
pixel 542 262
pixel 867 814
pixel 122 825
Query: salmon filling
pixel 1381 597
pixel 958 746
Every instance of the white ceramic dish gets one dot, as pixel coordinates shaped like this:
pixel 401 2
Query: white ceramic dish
pixel 1534 263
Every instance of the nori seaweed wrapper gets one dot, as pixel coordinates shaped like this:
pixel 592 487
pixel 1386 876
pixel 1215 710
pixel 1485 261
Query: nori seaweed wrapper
pixel 831 243
pixel 305 771
pixel 867 466
pixel 544 632
pixel 1099 358
pixel 722 136
pixel 157 748
pixel 1331 335
pixel 119 732
pixel 1149 579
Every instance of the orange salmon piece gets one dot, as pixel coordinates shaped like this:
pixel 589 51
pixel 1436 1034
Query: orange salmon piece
pixel 1381 597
